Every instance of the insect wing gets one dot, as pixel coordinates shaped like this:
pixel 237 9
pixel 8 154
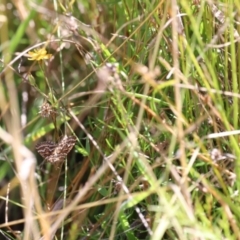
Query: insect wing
pixel 45 149
pixel 56 152
pixel 66 145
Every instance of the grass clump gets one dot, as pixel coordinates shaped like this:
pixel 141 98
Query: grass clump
pixel 119 120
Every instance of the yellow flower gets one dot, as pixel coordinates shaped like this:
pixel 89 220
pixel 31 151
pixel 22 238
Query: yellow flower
pixel 39 54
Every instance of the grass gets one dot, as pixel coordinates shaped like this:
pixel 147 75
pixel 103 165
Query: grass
pixel 150 91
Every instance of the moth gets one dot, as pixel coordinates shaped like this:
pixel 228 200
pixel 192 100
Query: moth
pixel 56 152
pixel 225 164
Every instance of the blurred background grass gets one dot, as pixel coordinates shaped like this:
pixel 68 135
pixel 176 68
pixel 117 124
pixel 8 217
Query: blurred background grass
pixel 150 90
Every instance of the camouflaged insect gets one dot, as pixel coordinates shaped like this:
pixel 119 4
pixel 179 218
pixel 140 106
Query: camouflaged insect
pixel 56 152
